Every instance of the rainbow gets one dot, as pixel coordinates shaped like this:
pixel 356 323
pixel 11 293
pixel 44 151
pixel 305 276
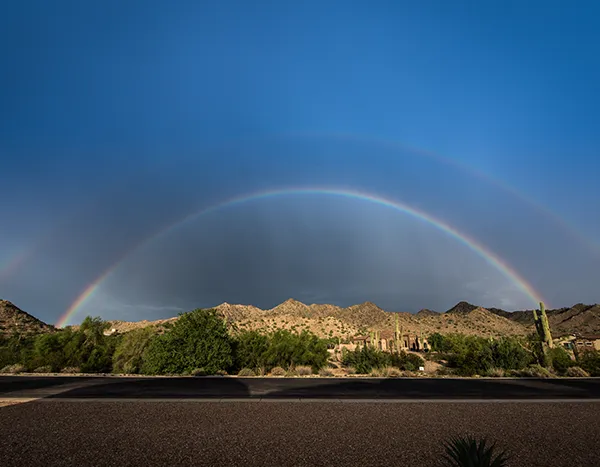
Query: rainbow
pixel 476 173
pixel 14 263
pixel 9 268
pixel 472 244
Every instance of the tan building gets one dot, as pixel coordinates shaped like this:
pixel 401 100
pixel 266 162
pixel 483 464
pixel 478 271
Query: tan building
pixel 587 342
pixel 385 340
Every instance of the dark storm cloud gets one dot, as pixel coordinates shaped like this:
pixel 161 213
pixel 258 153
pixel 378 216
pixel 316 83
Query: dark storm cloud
pixel 310 248
pixel 314 250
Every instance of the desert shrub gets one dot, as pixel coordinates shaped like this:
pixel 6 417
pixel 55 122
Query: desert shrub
pixel 282 348
pixel 278 371
pixel 70 370
pixel 589 360
pixel 377 373
pixel 129 352
pixel 444 371
pixel 14 369
pixel 391 372
pixel 406 361
pixel 470 355
pixel 198 339
pixel 326 372
pixel 351 370
pixel 494 373
pixel 509 353
pixel 246 372
pixel 576 372
pixel 288 349
pixel 470 452
pixel 221 373
pixel 198 372
pixel 365 359
pixel 304 370
pixel 533 371
pixel 43 369
pixel 560 359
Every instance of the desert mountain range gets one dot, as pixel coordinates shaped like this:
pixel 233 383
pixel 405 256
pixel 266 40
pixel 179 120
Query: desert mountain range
pixel 334 321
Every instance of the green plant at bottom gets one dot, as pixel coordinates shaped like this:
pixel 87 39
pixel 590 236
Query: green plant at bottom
pixel 471 452
pixel 246 372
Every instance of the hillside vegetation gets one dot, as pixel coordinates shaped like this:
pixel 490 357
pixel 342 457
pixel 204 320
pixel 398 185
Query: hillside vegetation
pixel 14 320
pixel 330 321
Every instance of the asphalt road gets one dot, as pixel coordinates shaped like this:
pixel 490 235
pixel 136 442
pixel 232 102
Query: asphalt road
pixel 209 421
pixel 293 388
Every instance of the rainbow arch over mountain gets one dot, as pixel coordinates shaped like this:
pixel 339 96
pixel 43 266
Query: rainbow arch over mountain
pixel 493 259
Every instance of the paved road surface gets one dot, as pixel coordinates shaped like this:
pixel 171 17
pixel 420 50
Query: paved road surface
pixel 113 421
pixel 294 388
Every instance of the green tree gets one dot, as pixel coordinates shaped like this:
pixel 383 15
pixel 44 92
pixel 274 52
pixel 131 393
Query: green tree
pixel 287 349
pixel 437 342
pixel 199 339
pixel 365 359
pixel 129 353
pixel 15 349
pixel 251 349
pixel 510 354
pixel 589 360
pixel 48 350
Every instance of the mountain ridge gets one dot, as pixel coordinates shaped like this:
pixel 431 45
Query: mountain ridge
pixel 327 320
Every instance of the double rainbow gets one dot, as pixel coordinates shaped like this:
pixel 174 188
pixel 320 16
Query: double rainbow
pixel 469 242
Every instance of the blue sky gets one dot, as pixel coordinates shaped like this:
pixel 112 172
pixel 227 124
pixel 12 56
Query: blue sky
pixel 117 118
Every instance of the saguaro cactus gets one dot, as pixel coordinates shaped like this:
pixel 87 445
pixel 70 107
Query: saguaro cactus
pixel 543 327
pixel 397 335
pixel 402 337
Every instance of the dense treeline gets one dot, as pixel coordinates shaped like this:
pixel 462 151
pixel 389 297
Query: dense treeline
pixel 87 349
pixel 198 343
pixel 473 355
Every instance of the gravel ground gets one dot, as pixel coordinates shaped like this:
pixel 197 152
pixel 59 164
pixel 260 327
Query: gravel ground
pixel 290 434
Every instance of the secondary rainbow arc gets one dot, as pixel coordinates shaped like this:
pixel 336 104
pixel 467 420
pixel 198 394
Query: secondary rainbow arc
pixel 12 264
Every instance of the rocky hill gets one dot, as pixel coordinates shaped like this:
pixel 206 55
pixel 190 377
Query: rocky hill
pixel 14 320
pixel 333 321
pixel 578 319
pixel 462 308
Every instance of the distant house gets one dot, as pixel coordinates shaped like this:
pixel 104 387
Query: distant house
pixel 587 342
pixel 567 341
